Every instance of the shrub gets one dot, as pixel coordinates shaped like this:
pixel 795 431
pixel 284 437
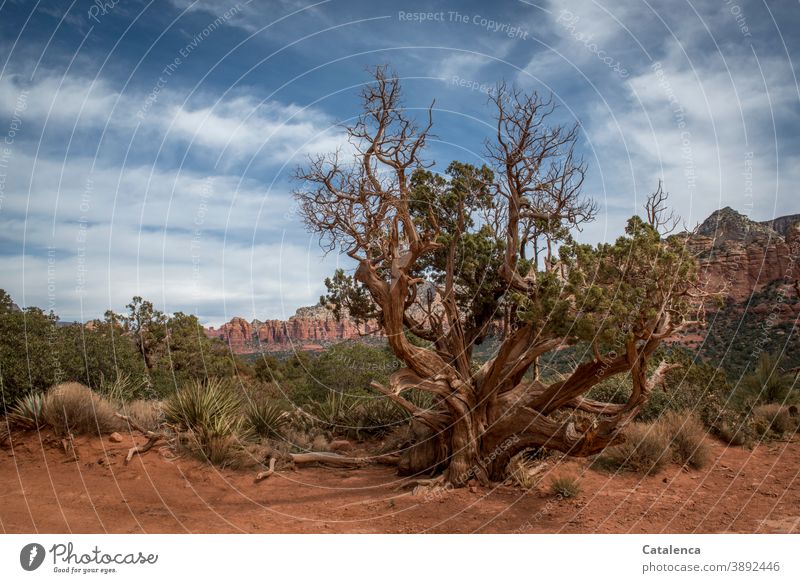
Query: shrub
pixel 766 384
pixel 206 407
pixel 75 408
pixel 28 411
pixel 773 418
pixel 265 417
pixel 645 450
pixel 686 433
pixel 733 433
pixel 565 486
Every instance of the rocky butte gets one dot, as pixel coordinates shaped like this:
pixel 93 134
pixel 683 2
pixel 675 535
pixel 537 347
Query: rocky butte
pixel 311 328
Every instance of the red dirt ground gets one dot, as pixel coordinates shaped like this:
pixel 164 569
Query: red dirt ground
pixel 47 491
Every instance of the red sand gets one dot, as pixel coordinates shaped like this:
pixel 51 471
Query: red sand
pixel 47 491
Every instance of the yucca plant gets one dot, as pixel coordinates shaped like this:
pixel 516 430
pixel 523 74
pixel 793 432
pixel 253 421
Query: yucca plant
pixel 265 417
pixel 206 407
pixel 27 411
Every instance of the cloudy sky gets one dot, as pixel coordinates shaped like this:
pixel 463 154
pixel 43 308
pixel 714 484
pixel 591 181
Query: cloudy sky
pixel 148 147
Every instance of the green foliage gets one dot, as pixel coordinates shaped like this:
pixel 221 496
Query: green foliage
pixel 29 355
pixel 766 384
pixel 207 408
pixel 346 296
pixel 346 369
pixel 144 354
pixel 266 417
pixel 621 287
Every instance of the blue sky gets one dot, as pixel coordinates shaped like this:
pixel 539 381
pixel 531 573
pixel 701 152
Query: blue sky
pixel 148 148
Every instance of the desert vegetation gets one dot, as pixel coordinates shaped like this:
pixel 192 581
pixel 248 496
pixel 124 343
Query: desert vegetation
pixel 508 343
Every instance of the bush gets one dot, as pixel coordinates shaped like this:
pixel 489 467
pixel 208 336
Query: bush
pixel 28 411
pixel 265 417
pixel 766 384
pixel 207 407
pixel 686 433
pixel 645 450
pixel 75 408
pixel 565 486
pixel 773 418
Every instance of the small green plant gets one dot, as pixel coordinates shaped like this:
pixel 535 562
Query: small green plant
pixel 206 407
pixel 210 413
pixel 27 412
pixel 265 417
pixel 766 384
pixel 565 486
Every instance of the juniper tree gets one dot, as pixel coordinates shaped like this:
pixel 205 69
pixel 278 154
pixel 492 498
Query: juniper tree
pixel 488 250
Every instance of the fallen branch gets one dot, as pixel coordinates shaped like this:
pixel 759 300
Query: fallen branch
pixel 331 459
pixel 152 438
pixel 264 475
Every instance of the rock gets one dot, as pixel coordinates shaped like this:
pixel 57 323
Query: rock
pixel 340 445
pixel 115 438
pixel 310 327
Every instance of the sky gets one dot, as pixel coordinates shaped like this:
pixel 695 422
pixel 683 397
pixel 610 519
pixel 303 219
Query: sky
pixel 148 148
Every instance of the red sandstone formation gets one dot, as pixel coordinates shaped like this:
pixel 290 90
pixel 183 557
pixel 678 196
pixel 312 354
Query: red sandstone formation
pixel 309 329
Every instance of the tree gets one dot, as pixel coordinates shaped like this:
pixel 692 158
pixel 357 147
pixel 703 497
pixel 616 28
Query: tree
pixel 445 257
pixel 147 326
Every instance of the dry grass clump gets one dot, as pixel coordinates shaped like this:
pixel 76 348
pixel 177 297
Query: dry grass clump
pixel 774 418
pixel 648 447
pixel 524 472
pixel 686 434
pixel 565 486
pixel 74 408
pixel 147 414
pixel 646 450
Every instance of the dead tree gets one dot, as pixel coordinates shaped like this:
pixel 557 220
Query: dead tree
pixel 494 243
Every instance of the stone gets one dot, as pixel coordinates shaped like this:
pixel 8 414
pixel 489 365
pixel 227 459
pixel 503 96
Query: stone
pixel 115 438
pixel 340 445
